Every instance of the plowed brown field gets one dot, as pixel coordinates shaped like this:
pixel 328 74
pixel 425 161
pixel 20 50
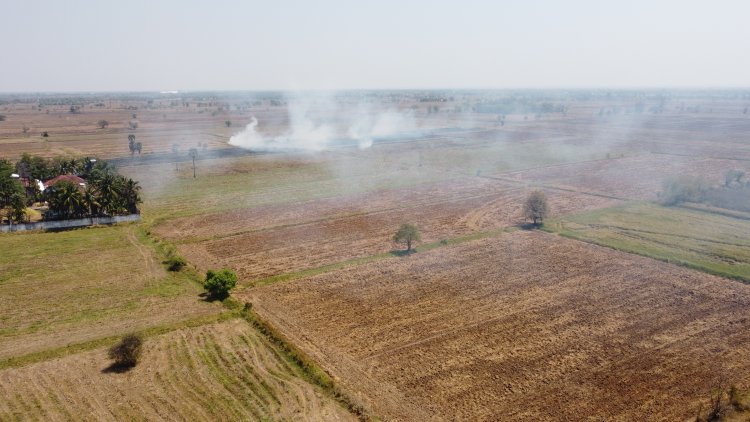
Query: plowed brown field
pixel 526 326
pixel 334 230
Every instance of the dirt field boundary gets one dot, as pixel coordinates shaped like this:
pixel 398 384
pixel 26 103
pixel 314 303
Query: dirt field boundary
pixel 309 368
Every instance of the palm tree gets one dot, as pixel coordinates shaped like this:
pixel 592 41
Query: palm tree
pixel 130 195
pixel 108 193
pixel 65 199
pixel 91 200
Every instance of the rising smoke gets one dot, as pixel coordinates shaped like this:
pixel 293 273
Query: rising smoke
pixel 319 125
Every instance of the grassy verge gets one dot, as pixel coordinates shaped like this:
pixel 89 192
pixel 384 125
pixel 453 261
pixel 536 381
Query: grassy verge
pixel 713 243
pixel 308 368
pixel 58 352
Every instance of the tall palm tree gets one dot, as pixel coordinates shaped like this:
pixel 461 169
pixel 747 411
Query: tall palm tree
pixel 130 194
pixel 91 200
pixel 108 193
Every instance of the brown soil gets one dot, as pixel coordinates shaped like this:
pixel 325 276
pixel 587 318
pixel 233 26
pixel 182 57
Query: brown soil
pixel 330 231
pixel 527 326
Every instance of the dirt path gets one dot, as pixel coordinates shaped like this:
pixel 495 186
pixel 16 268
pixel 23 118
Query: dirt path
pixel 154 268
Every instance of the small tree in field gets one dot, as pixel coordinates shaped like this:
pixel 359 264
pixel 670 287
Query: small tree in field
pixel 535 208
pixel 406 235
pixel 102 124
pixel 127 351
pixel 219 283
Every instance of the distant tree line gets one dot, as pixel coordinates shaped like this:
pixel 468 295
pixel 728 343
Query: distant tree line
pixel 105 192
pixel 519 106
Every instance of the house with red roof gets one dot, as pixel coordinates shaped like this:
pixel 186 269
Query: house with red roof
pixel 72 178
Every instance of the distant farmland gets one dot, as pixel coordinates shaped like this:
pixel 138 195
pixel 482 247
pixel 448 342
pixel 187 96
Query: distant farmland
pixel 617 308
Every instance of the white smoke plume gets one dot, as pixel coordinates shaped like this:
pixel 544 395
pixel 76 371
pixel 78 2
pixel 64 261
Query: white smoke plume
pixel 331 127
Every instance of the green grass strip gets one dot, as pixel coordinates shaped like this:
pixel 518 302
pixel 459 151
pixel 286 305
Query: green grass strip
pixel 17 361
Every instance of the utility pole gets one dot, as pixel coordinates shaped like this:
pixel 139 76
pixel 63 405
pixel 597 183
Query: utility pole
pixel 193 153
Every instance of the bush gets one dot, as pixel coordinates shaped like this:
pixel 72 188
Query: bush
pixel 683 189
pixel 175 263
pixel 127 351
pixel 219 283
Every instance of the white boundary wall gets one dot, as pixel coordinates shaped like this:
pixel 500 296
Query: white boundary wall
pixel 64 224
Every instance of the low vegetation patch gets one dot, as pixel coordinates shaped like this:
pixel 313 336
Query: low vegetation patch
pixel 706 241
pixel 175 263
pixel 724 405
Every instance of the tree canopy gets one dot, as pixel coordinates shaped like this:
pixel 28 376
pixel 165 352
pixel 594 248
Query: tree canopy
pixel 406 235
pixel 535 208
pixel 105 192
pixel 219 283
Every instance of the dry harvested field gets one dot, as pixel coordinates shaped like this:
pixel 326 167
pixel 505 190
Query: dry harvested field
pixel 79 134
pixel 223 371
pixel 525 326
pixel 636 177
pixel 359 226
pixel 58 289
pixel 493 324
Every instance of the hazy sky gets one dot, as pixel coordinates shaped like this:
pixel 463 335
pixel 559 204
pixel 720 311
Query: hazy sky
pixel 74 45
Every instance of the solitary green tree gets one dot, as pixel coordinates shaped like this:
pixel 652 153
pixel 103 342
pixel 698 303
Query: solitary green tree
pixel 406 235
pixel 219 283
pixel 535 208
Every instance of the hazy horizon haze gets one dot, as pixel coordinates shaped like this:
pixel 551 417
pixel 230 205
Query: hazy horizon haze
pixel 84 46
